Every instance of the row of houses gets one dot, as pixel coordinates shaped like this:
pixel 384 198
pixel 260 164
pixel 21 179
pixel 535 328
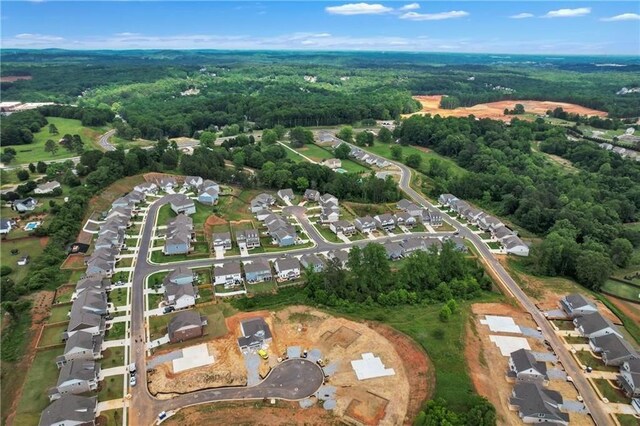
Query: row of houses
pixel 398 250
pixel 245 238
pixel 207 190
pixel 623 152
pixel 364 157
pixel 179 235
pixel 509 240
pixel 605 340
pixel 281 231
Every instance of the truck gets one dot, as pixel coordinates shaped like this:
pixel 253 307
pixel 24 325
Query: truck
pixel 263 354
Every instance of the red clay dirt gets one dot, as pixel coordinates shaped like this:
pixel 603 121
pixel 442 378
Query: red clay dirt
pixel 495 110
pixel 13 78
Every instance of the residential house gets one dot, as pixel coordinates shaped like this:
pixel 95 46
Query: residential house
pixel 606 146
pixel 286 195
pixel 249 238
pixel 332 163
pixel 576 305
pixel 76 377
pixel 311 195
pixel 629 378
pixel 186 325
pixel 430 217
pixel 263 214
pixel 460 206
pixel 257 271
pixel 25 205
pixel 93 283
pixel 489 223
pixel 409 207
pixel 179 296
pixel 180 203
pixel 70 410
pixel 92 301
pixel 503 232
pixel 343 227
pixel 329 212
pixel 209 184
pixel 117 215
pixel 594 325
pixel 167 183
pixel 180 220
pixel 432 242
pixel 179 242
pixel 287 268
pixel 394 250
pixel 255 332
pixel 208 196
pixel 523 367
pixel 101 262
pixel 458 244
pixel 382 163
pixel 447 199
pixel 312 261
pixel 514 245
pixel 613 349
pixel 221 240
pixel 411 245
pixel 81 320
pixel 193 182
pixel 274 222
pixel 261 201
pixel 229 274
pixel 146 188
pixel 122 202
pixel 81 346
pixel 47 188
pixel 135 197
pixel 181 276
pixel 405 219
pixel 537 405
pixel 339 256
pixel 6 225
pixel 328 198
pixel 471 214
pixel 385 221
pixel 365 224
pixel 285 236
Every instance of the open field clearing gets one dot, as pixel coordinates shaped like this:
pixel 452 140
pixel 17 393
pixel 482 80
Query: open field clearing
pixel 495 110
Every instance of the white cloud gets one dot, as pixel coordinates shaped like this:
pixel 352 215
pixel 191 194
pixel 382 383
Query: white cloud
pixel 414 16
pixel 38 38
pixel 568 13
pixel 126 34
pixel 358 9
pixel 410 6
pixel 623 17
pixel 522 16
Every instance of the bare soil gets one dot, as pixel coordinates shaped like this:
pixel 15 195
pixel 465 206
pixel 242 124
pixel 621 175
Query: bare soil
pixel 14 78
pixel 632 310
pixel 495 110
pixel 74 261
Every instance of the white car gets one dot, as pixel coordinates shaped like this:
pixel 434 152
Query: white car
pixel 132 380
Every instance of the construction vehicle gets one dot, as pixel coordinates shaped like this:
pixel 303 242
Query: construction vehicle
pixel 263 354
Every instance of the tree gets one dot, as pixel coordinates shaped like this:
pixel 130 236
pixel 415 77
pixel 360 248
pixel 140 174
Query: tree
pixel 621 251
pixel 346 134
pixel 342 151
pixel 41 167
pixel 445 313
pixel 53 130
pixel 396 152
pixel 302 183
pixel 300 136
pixel 8 155
pixel 413 160
pixel 51 146
pixel 208 138
pixel 280 131
pixel 452 305
pixel 77 145
pixel 385 135
pixel 269 137
pixel 32 168
pixel 22 175
pixel 519 109
pixel 365 139
pixel 592 269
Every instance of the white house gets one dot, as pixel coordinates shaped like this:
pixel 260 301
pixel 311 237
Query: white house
pixel 514 245
pixel 229 274
pixel 287 268
pixel 47 188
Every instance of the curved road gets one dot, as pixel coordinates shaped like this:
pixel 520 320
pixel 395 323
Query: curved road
pixel 144 407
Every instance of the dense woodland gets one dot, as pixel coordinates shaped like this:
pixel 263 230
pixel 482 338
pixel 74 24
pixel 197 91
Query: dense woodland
pixel 580 214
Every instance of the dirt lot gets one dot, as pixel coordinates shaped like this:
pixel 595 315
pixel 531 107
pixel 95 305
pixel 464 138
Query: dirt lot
pixel 491 383
pixel 387 400
pixel 12 78
pixel 495 110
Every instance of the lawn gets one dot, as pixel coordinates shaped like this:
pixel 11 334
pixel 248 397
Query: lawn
pixel 575 340
pixel 59 314
pixel 215 327
pixel 384 150
pixel 328 234
pixel 314 152
pixel 112 357
pixel 236 207
pixel 111 417
pixel 64 296
pixel 219 289
pixel 124 262
pixel 118 296
pixel 608 391
pixel 206 294
pixel 155 299
pixel 564 325
pixel 494 245
pixel 52 335
pixel 264 287
pixel 111 388
pixel 30 246
pixel 41 376
pixel 165 214
pixel 617 288
pixel 353 167
pixel 587 359
pixel 627 420
pixel 35 152
pixel 116 332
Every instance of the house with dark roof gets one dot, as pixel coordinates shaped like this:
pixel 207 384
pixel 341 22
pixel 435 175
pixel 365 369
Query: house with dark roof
pixel 81 320
pixel 287 268
pixel 179 242
pixel 255 334
pixel 411 245
pixel 339 256
pixel 613 349
pixel 208 196
pixel 81 346
pixel 92 301
pixel 489 223
pixel 72 410
pixel 6 225
pixel 385 221
pixel 186 325
pixel 76 377
pixel 284 236
pixel 629 378
pixel 311 195
pixel 312 261
pixel 250 238
pixel 342 227
pixel 24 205
pixel 146 188
pixel 221 240
pixel 328 198
pixel 92 283
pixel 286 194
pixel 181 275
pixel 365 224
pixel 576 305
pixel 180 203
pixel 193 182
pixel 228 274
pixel 263 214
pixel 594 325
pixel 329 212
pixel 262 201
pixel 180 220
pixel 394 250
pixel 514 245
pixel 523 367
pixel 446 199
pixel 430 217
pixel 405 219
pixel 537 405
pixel 502 233
pixel 257 271
pixel 179 296
pixel 167 183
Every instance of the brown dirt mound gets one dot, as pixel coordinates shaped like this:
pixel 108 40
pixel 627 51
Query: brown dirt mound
pixel 73 261
pixel 495 110
pixel 215 220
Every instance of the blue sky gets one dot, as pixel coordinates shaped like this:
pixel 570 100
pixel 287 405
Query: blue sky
pixel 547 27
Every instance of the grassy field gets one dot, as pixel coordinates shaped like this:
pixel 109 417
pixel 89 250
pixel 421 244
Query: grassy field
pixel 113 357
pixel 35 152
pixel 118 296
pixel 30 246
pixel 264 287
pixel 384 150
pixel 164 215
pixel 42 375
pixel 353 167
pixel 215 327
pixel 623 290
pixel 236 207
pixel 116 332
pixel 111 417
pixel 111 388
pixel 52 335
pixel 612 394
pixel 59 314
pixel 315 152
pixel 102 201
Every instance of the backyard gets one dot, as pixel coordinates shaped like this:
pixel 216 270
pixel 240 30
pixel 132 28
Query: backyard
pixel 111 388
pixel 113 357
pixel 608 391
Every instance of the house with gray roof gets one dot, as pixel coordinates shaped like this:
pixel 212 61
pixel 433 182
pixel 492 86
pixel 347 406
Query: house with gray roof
pixel 262 201
pixel 489 223
pixel 311 195
pixel 257 271
pixel 328 198
pixel 287 268
pixel 76 377
pixel 177 243
pixel 365 224
pixel 72 410
pixel 122 202
pixel 147 188
pixel 81 346
pixel 228 274
pixel 312 261
pixel 329 212
pixel 81 320
pixel 92 301
pixel 263 214
pixel 447 199
pixel 186 325
pixel 284 236
pixel 181 275
pixel 166 183
pixel 47 188
pixel 286 195
pixel 193 182
pixel 180 203
pixel 536 404
pixel 179 296
pixel 180 220
pixel 221 240
pixel 394 250
pixel 92 283
pixel 250 238
pixel 209 184
pixel 613 349
pixel 430 217
pixel 405 219
pixel 97 265
pixel 409 207
pixel 24 205
pixel 339 256
pixel 135 197
pixel 523 367
pixel 411 245
pixel 576 305
pixel 342 227
pixel 514 245
pixel 255 332
pixel 208 196
pixel 385 221
pixel 502 233
pixel 594 325
pixel 629 378
pixel 6 225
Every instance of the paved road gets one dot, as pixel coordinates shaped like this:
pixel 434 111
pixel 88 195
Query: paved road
pixel 104 141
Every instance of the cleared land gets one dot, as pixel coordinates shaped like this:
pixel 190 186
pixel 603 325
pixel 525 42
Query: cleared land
pixel 495 110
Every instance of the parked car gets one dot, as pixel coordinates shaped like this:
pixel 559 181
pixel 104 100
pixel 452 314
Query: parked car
pixel 168 309
pixel 263 354
pixel 132 380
